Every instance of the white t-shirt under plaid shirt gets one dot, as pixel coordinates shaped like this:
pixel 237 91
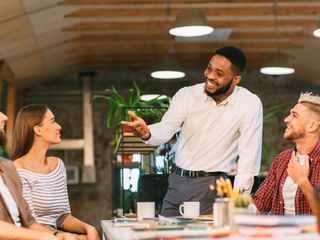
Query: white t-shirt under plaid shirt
pixel 46 194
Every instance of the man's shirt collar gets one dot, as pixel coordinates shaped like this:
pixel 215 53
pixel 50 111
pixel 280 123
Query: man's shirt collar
pixel 231 99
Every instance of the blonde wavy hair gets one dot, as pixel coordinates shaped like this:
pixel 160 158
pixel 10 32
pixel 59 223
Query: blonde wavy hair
pixel 311 101
pixel 309 97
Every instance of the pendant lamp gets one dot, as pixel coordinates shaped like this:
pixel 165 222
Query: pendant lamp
pixel 148 97
pixel 316 31
pixel 191 22
pixel 277 64
pixel 168 68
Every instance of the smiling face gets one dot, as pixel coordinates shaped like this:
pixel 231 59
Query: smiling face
pixel 219 78
pixel 296 122
pixel 49 129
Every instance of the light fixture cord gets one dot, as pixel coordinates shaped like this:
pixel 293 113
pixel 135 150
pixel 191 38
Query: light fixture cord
pixel 275 13
pixel 171 48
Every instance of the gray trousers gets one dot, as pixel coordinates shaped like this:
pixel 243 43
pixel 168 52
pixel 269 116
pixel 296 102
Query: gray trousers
pixel 184 189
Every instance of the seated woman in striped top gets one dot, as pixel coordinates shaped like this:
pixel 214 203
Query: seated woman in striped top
pixel 44 178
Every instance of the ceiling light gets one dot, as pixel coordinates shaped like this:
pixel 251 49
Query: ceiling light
pixel 148 97
pixel 168 68
pixel 167 74
pixel 191 22
pixel 316 32
pixel 277 70
pixel 277 64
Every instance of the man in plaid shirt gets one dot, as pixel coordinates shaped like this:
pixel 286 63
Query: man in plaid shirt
pixel 288 188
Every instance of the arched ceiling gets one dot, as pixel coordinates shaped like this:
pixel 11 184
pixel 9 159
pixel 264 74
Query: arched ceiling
pixel 41 40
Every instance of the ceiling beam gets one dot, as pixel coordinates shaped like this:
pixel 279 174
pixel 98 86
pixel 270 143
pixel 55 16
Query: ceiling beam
pixel 102 2
pixel 225 11
pixel 136 65
pixel 246 35
pixel 158 25
pixel 121 37
pixel 181 47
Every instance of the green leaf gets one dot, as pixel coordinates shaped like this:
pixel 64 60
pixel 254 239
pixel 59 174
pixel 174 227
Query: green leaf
pixel 118 138
pixel 136 100
pixel 130 100
pixel 117 97
pixel 95 97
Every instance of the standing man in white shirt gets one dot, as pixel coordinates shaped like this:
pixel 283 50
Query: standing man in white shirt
pixel 219 122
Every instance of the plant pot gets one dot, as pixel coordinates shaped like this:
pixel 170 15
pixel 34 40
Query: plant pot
pixel 240 210
pixel 251 209
pixel 127 157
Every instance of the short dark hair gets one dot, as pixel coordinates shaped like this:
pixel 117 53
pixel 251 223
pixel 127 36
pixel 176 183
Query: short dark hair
pixel 235 55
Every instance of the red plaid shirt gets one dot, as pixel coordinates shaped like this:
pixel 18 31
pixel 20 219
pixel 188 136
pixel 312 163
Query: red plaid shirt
pixel 268 198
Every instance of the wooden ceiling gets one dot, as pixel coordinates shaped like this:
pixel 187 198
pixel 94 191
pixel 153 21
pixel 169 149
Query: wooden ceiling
pixel 41 40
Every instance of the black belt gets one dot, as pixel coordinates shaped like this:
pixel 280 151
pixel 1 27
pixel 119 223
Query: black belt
pixel 194 174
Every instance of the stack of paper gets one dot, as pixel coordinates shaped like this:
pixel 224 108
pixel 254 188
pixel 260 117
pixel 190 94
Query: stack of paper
pixel 273 220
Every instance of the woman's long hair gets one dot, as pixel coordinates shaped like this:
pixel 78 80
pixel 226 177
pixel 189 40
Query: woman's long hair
pixel 28 117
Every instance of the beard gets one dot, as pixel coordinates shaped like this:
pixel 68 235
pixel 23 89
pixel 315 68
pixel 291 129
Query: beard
pixel 3 139
pixel 294 135
pixel 220 91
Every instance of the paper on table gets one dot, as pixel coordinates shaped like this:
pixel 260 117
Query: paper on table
pixel 201 217
pixel 158 228
pixel 273 220
pixel 170 220
pixel 268 231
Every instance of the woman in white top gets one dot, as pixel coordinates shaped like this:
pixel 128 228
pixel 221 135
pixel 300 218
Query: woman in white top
pixel 44 178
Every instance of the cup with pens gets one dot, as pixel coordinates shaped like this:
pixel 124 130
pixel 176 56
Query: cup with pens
pixel 228 199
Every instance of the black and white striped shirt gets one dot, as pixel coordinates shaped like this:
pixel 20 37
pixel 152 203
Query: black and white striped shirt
pixel 46 194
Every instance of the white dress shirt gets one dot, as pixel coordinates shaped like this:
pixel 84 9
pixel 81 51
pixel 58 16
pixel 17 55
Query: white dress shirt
pixel 213 136
pixel 10 202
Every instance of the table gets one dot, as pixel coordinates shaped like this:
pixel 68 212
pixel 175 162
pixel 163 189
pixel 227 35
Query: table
pixel 111 232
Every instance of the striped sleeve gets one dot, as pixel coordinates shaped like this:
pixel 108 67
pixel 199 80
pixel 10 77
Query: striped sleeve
pixel 27 193
pixel 67 209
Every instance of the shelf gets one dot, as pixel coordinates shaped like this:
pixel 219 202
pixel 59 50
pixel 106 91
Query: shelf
pixel 128 164
pixel 131 144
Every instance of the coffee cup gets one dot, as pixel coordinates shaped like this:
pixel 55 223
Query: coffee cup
pixel 190 209
pixel 145 210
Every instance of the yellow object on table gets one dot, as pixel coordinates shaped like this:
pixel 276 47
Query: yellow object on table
pixel 224 188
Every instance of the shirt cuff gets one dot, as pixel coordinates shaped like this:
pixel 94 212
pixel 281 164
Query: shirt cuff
pixel 244 182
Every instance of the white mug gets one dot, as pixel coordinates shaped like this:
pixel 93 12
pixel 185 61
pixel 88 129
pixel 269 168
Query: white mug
pixel 190 209
pixel 145 210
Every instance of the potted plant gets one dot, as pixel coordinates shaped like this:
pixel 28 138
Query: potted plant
pixel 118 106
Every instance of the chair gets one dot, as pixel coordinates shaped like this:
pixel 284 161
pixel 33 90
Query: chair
pixel 152 188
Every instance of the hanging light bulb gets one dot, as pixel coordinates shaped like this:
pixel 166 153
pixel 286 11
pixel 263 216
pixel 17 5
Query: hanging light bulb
pixel 191 22
pixel 277 64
